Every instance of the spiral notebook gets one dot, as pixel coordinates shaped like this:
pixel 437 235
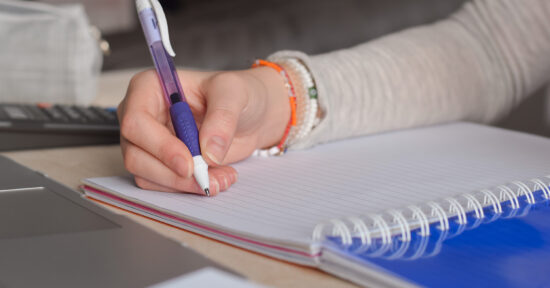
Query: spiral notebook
pixel 386 210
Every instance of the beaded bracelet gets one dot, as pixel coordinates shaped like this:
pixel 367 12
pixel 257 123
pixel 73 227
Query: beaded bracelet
pixel 302 104
pixel 309 104
pixel 281 147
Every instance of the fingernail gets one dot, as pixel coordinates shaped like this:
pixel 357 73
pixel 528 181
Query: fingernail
pixel 225 183
pixel 182 166
pixel 234 177
pixel 214 186
pixel 215 149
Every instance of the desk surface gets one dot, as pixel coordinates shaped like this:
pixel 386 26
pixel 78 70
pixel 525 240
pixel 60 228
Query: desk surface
pixel 69 165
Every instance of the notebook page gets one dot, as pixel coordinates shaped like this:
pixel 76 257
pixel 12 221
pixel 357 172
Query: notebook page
pixel 283 198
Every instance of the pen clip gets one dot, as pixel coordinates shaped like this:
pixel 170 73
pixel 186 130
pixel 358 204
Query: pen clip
pixel 163 27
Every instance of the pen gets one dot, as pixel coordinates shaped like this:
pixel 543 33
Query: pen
pixel 155 28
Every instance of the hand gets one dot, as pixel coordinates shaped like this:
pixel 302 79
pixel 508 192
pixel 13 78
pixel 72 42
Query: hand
pixel 236 112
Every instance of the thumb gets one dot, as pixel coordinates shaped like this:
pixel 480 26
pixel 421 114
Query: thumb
pixel 225 101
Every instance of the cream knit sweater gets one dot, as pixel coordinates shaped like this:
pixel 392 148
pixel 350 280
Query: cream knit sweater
pixel 475 65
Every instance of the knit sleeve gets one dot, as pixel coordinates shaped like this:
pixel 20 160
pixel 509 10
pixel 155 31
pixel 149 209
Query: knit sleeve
pixel 476 65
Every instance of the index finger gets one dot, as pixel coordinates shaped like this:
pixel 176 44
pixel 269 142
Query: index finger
pixel 143 121
pixel 144 95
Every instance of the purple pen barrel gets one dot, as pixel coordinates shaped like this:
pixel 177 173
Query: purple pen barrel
pixel 180 112
pixel 167 72
pixel 163 62
pixel 184 126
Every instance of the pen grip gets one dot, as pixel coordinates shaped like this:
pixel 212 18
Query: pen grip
pixel 185 126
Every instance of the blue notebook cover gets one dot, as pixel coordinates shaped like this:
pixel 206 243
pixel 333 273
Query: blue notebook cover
pixel 506 249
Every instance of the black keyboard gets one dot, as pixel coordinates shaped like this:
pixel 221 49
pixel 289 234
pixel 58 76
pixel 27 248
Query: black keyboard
pixel 26 126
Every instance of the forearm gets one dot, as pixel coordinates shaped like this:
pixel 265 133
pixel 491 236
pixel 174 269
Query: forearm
pixel 475 65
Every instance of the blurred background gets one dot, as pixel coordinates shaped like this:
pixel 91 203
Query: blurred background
pixel 221 34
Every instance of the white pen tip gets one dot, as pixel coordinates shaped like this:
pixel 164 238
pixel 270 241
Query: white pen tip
pixel 201 174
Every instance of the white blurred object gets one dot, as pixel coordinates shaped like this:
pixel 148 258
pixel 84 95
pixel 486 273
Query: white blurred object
pixel 110 16
pixel 48 54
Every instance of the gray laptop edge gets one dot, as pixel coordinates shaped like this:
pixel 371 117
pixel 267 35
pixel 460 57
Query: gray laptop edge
pixel 51 237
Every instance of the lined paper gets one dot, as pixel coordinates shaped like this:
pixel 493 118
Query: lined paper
pixel 283 198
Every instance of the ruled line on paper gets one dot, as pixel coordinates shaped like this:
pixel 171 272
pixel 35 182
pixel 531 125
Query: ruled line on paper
pixel 285 197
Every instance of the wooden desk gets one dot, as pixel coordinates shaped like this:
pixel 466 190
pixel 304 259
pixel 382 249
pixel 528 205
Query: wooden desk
pixel 69 165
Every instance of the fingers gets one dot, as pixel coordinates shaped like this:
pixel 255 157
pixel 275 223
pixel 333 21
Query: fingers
pixel 157 158
pixel 144 95
pixel 155 138
pixel 226 98
pixel 145 165
pixel 143 117
pixel 152 174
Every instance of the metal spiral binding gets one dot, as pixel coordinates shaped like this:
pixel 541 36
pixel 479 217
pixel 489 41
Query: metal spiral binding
pixel 525 191
pixel 385 234
pixel 441 214
pixel 360 228
pixel 390 233
pixel 490 198
pixel 455 208
pixel 507 192
pixel 404 241
pixel 420 216
pixel 473 204
pixel 539 185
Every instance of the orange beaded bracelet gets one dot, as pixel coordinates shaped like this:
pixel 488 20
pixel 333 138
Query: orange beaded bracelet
pixel 281 147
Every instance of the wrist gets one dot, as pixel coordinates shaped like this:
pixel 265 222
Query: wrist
pixel 271 89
